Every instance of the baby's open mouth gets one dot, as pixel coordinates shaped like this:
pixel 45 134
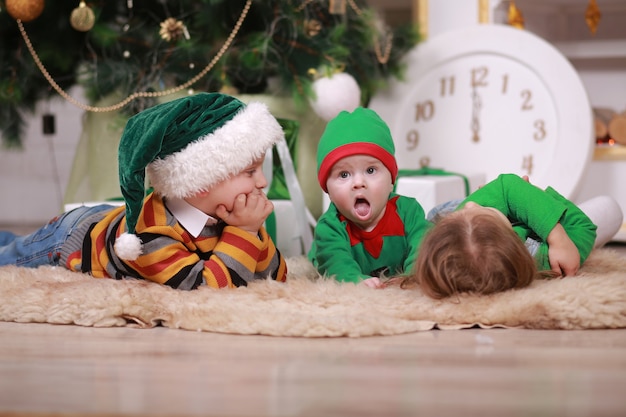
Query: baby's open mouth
pixel 362 207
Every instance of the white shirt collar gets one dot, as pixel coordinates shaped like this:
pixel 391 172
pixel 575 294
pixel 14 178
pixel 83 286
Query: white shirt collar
pixel 192 219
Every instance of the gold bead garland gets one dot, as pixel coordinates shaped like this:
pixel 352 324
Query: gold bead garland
pixel 138 94
pixel 381 56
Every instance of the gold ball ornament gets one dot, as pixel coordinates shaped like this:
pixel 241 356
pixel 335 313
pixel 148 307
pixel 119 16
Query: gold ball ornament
pixel 24 10
pixel 82 18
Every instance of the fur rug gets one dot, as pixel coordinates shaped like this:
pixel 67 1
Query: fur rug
pixel 312 306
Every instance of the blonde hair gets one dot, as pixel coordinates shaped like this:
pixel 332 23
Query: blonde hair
pixel 471 252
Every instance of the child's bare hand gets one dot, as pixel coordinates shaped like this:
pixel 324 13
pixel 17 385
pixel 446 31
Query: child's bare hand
pixel 248 213
pixel 562 252
pixel 373 282
pixel 564 260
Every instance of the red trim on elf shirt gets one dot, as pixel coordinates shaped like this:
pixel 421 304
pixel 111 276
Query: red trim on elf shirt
pixel 389 225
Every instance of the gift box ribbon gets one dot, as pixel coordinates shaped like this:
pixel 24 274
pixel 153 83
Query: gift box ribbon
pixel 284 184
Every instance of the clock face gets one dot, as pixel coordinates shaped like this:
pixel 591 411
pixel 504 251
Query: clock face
pixel 491 99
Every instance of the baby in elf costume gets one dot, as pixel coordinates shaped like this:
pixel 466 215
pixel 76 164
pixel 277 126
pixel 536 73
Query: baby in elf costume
pixel 368 232
pixel 202 225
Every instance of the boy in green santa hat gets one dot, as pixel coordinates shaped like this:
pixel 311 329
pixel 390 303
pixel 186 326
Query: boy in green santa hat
pixel 202 225
pixel 368 231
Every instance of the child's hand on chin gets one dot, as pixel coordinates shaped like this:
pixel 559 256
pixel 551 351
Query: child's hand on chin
pixel 373 282
pixel 249 212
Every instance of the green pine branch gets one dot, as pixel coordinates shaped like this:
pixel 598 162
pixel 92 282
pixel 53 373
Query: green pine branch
pixel 124 52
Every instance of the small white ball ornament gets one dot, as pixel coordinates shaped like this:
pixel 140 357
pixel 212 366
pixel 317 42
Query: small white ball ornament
pixel 335 93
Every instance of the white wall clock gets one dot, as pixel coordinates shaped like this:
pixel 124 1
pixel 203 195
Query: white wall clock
pixel 491 99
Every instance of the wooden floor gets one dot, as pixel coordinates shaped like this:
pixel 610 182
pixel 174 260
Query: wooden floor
pixel 72 370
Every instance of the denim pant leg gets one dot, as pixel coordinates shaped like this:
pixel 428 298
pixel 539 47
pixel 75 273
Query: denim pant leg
pixel 442 209
pixel 6 237
pixel 43 246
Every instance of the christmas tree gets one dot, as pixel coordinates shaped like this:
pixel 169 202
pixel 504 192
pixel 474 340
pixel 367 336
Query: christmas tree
pixel 149 48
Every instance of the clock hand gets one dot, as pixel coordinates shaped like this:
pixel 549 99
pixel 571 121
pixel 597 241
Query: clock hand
pixel 475 125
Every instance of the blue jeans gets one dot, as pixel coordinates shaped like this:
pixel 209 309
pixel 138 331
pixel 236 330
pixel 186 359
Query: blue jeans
pixel 43 247
pixel 442 209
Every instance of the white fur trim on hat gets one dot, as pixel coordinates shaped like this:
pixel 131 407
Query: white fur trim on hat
pixel 128 247
pixel 217 156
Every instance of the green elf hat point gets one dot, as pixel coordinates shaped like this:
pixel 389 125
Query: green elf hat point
pixel 186 146
pixel 361 132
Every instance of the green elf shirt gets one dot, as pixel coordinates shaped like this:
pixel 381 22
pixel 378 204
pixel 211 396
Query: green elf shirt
pixel 534 212
pixel 343 250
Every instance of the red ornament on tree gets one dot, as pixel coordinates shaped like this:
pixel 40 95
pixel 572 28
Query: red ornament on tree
pixel 24 10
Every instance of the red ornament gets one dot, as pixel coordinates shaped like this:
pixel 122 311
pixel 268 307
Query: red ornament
pixel 24 10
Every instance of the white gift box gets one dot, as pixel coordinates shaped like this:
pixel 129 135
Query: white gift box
pixel 432 190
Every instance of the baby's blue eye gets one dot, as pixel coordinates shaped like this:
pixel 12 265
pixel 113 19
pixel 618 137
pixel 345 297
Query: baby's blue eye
pixel 344 174
pixel 371 170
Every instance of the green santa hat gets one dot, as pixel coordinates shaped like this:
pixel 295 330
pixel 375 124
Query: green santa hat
pixel 187 146
pixel 361 132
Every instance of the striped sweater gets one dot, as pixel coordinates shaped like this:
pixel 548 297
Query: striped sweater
pixel 221 256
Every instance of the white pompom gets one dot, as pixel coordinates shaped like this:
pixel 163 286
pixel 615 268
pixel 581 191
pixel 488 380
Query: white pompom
pixel 128 247
pixel 334 94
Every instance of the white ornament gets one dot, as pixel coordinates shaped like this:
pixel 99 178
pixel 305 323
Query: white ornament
pixel 335 93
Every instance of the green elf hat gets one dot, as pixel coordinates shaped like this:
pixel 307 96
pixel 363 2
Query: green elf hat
pixel 187 146
pixel 361 132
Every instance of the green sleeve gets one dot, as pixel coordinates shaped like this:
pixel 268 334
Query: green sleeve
pixel 577 225
pixel 539 211
pixel 415 225
pixel 521 202
pixel 330 252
